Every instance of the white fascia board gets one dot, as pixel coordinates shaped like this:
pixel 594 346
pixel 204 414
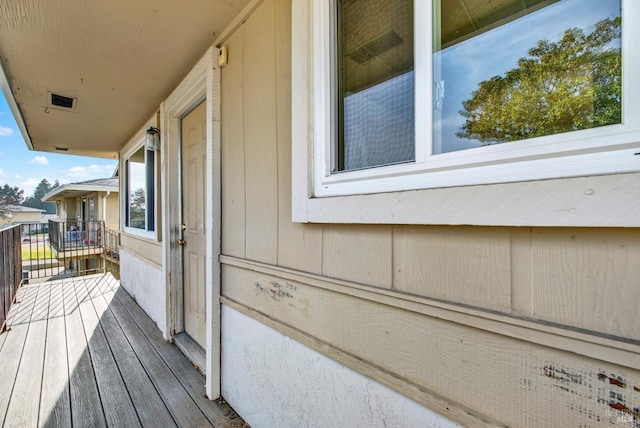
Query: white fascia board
pixel 13 105
pixel 77 187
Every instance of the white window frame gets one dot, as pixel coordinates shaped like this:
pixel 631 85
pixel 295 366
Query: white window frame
pixel 152 234
pixel 586 173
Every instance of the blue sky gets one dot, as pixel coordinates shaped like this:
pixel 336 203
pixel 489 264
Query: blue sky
pixel 24 168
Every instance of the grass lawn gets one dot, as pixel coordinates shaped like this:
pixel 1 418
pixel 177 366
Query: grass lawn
pixel 34 253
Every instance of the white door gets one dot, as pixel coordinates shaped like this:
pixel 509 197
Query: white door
pixel 193 214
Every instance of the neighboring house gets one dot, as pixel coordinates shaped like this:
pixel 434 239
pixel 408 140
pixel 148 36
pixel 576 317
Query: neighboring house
pixel 88 200
pixel 25 216
pixel 87 223
pixel 332 272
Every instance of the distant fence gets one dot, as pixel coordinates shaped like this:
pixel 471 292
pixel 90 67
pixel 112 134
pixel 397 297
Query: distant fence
pixel 71 233
pixel 11 273
pixel 66 247
pixel 112 251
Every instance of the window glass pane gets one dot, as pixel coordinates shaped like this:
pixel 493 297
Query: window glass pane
pixel 136 187
pixel 92 208
pixel 504 71
pixel 150 177
pixel 374 83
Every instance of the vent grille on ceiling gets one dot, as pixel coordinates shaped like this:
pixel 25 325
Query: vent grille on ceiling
pixel 375 47
pixel 62 102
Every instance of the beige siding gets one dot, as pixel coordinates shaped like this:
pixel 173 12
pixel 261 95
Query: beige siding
pixel 143 248
pixel 358 253
pixel 299 246
pixel 588 279
pixel 112 217
pixel 261 162
pixel 232 168
pixel 25 217
pixel 469 265
pixel 511 381
pixel 70 211
pixel 530 290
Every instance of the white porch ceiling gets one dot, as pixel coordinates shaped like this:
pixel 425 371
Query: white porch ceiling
pixel 118 58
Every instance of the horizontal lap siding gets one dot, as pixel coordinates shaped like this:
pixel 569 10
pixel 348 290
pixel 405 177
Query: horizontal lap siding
pixel 582 278
pixel 515 382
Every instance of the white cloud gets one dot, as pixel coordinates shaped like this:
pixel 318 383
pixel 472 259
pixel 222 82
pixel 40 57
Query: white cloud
pixel 3 175
pixel 90 172
pixel 40 160
pixel 5 131
pixel 29 185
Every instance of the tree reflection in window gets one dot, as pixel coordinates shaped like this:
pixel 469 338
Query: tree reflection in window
pixel 136 190
pixel 569 84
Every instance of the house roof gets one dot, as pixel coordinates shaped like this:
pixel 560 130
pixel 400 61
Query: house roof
pixel 21 209
pixel 81 188
pixel 115 61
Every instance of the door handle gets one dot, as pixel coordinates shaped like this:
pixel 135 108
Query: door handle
pixel 182 242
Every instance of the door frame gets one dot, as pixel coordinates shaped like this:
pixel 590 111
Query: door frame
pixel 202 83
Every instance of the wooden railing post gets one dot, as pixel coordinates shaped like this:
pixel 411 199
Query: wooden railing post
pixel 11 275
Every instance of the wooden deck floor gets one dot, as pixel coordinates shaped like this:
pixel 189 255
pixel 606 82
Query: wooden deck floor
pixel 80 352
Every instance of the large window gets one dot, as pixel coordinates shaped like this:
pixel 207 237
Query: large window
pixel 140 190
pixel 431 94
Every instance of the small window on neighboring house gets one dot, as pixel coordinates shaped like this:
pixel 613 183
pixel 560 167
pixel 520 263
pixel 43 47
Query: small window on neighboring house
pixel 140 190
pixel 430 94
pixel 92 208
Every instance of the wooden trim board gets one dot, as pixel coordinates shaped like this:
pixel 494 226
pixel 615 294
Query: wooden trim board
pixel 590 344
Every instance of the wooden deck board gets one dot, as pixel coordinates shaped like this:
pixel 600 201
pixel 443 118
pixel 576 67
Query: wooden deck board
pixel 151 409
pixel 116 403
pixel 86 407
pixel 190 378
pixel 11 353
pixel 183 409
pixel 80 352
pixel 55 407
pixel 25 398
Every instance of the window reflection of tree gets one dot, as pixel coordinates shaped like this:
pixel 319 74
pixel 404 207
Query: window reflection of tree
pixel 137 195
pixel 568 85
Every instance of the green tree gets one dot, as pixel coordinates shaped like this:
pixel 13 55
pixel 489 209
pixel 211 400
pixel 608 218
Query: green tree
pixel 9 196
pixel 137 209
pixel 563 86
pixel 35 200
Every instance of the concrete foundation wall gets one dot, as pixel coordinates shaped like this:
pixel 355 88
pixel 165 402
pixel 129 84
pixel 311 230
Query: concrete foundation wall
pixel 145 283
pixel 274 381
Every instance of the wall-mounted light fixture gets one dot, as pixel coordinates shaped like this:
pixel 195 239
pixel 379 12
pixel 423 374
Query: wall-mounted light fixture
pixel 153 139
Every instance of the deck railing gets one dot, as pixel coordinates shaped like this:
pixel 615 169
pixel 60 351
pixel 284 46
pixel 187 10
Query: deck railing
pixel 59 248
pixel 11 272
pixel 111 241
pixel 112 251
pixel 71 233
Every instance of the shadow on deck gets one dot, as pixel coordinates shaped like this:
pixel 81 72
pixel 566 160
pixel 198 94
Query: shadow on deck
pixel 81 352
